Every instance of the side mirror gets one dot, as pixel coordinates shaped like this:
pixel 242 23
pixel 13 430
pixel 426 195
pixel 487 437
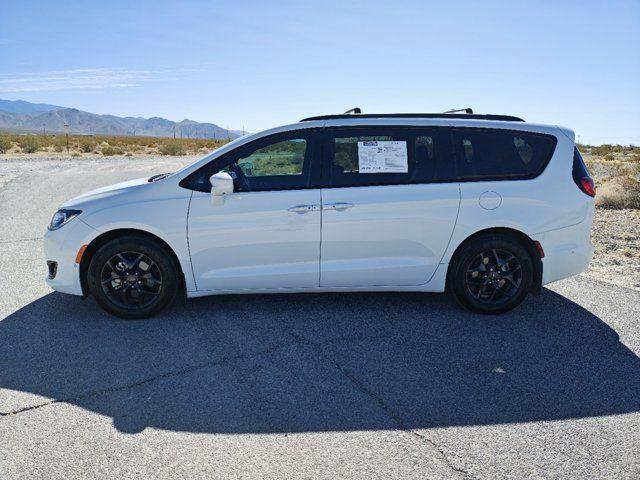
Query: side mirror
pixel 221 184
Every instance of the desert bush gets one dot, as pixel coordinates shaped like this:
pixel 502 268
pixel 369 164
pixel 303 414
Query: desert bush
pixel 602 150
pixel 109 151
pixel 87 145
pixel 29 143
pixel 619 192
pixel 5 143
pixel 583 148
pixel 171 148
pixel 57 141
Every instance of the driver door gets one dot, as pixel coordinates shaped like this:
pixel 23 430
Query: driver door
pixel 266 234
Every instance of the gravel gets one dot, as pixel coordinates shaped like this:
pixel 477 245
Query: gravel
pixel 616 237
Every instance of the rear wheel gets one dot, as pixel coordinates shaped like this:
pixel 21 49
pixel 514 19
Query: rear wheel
pixel 491 274
pixel 133 277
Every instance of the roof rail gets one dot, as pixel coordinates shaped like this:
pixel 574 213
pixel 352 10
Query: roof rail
pixel 465 116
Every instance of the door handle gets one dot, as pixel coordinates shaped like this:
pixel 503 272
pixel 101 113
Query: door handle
pixel 304 208
pixel 339 206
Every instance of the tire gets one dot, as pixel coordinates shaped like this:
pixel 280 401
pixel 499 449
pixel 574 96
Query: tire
pixel 133 277
pixel 491 274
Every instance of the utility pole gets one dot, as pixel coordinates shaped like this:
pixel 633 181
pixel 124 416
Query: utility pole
pixel 174 132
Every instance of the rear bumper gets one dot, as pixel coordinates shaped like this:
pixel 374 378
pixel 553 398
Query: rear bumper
pixel 61 246
pixel 567 251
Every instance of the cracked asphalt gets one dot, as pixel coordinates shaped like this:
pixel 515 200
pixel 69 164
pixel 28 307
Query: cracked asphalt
pixel 309 385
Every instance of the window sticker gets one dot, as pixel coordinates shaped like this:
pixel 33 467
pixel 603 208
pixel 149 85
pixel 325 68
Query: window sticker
pixel 382 157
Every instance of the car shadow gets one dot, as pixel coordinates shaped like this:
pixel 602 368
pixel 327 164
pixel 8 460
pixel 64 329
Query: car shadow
pixel 317 362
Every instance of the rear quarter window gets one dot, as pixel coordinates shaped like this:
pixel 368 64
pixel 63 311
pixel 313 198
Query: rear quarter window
pixel 492 154
pixel 579 167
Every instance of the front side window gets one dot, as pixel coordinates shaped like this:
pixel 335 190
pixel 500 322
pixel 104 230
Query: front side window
pixel 501 154
pixel 280 158
pixel 278 163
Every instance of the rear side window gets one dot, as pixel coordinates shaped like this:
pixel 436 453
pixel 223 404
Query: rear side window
pixel 491 154
pixel 389 156
pixel 345 154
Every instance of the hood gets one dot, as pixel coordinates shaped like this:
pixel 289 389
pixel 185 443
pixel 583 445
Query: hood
pixel 105 192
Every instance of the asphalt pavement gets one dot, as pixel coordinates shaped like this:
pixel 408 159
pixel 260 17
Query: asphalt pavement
pixel 362 385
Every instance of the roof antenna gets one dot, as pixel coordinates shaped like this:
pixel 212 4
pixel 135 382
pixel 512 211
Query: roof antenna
pixel 353 111
pixel 465 110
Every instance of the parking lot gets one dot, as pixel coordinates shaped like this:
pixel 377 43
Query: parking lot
pixel 312 385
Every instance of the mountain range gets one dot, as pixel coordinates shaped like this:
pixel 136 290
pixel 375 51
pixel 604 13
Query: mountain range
pixel 22 116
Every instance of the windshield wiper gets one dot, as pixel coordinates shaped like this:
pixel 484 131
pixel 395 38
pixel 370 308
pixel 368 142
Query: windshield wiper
pixel 160 176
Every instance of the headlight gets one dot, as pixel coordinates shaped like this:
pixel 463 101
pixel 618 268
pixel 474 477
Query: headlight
pixel 61 217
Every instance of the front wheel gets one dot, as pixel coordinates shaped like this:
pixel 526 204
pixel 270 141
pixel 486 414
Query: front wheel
pixel 491 274
pixel 133 277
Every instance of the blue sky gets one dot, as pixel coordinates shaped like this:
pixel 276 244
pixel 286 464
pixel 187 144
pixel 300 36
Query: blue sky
pixel 261 64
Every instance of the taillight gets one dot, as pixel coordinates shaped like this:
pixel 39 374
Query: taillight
pixel 588 186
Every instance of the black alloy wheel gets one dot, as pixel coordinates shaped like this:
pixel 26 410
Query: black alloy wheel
pixel 494 277
pixel 133 276
pixel 131 280
pixel 491 273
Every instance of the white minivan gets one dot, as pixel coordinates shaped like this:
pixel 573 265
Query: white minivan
pixel 486 207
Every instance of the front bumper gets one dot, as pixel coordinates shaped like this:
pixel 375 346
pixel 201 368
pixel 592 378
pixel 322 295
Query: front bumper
pixel 61 246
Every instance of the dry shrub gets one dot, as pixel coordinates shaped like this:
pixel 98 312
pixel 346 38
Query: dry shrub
pixel 172 148
pixel 87 145
pixel 5 143
pixel 619 192
pixel 29 143
pixel 109 151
